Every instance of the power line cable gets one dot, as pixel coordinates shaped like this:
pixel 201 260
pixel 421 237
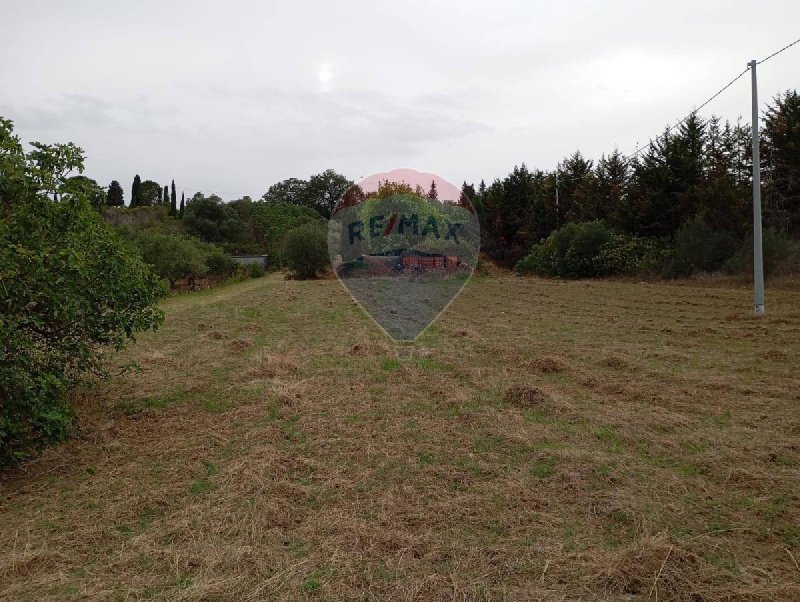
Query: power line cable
pixel 710 99
pixel 682 121
pixel 776 53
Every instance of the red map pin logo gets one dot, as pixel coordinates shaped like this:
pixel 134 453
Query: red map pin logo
pixel 404 243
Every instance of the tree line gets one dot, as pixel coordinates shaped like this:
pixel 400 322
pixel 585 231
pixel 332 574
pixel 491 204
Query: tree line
pixel 81 272
pixel 699 171
pixel 695 178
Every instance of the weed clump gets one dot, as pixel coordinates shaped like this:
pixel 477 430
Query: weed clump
pixel 525 396
pixel 549 365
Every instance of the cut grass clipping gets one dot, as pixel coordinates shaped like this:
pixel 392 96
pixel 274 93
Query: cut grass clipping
pixel 542 440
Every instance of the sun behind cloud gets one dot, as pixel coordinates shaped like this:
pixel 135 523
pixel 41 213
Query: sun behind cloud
pixel 325 75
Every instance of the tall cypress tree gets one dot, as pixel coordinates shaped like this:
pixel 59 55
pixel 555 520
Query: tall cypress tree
pixel 165 195
pixel 180 213
pixel 173 204
pixel 136 191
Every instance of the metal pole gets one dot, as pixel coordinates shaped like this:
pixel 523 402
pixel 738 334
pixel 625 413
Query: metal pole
pixel 758 253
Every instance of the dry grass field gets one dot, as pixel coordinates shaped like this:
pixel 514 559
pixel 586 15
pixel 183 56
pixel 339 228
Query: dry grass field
pixel 543 440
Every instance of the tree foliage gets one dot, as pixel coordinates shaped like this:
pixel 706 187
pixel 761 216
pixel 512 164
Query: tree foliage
pixel 212 220
pixel 307 250
pixel 150 193
pixel 173 201
pixel 115 197
pixel 175 257
pixel 71 287
pixel 136 191
pixel 698 173
pixel 320 192
pixel 781 151
pixel 87 188
pixel 587 249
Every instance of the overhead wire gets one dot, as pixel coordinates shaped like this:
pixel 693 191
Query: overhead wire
pixel 707 101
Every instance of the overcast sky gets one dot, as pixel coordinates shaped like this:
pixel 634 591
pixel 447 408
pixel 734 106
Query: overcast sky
pixel 230 97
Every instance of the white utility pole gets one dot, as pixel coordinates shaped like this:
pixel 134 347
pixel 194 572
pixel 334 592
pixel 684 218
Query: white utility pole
pixel 758 253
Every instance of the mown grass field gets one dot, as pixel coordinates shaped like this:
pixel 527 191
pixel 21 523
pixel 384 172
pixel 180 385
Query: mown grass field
pixel 543 440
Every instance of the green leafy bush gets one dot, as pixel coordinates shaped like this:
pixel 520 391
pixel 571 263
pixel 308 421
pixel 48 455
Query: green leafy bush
pixel 776 247
pixel 175 257
pixel 698 247
pixel 218 263
pixel 585 249
pixel 255 269
pixel 625 254
pixel 212 220
pixel 270 223
pixel 306 250
pixel 172 257
pixel 569 251
pixel 675 267
pixel 70 287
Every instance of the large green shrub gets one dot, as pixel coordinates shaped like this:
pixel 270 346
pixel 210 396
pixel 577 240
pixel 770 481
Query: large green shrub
pixel 626 254
pixel 776 247
pixel 699 247
pixel 586 249
pixel 218 263
pixel 255 270
pixel 569 251
pixel 271 221
pixel 306 250
pixel 172 257
pixel 213 220
pixel 175 257
pixel 70 287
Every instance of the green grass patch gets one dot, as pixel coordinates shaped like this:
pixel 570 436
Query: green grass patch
pixel 543 469
pixel 390 364
pixel 200 486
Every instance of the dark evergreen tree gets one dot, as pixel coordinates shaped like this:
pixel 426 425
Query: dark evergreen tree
pixel 467 196
pixel 468 190
pixel 136 191
pixel 480 196
pixel 668 179
pixel 115 196
pixel 433 194
pixel 180 211
pixel 649 208
pixel 724 197
pixel 173 201
pixel 165 196
pixel 781 156
pixel 688 165
pixel 514 214
pixel 612 176
pixel 576 196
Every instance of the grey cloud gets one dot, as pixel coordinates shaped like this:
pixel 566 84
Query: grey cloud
pixel 229 96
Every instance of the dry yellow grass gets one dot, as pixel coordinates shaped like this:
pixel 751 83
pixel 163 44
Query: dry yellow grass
pixel 544 440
